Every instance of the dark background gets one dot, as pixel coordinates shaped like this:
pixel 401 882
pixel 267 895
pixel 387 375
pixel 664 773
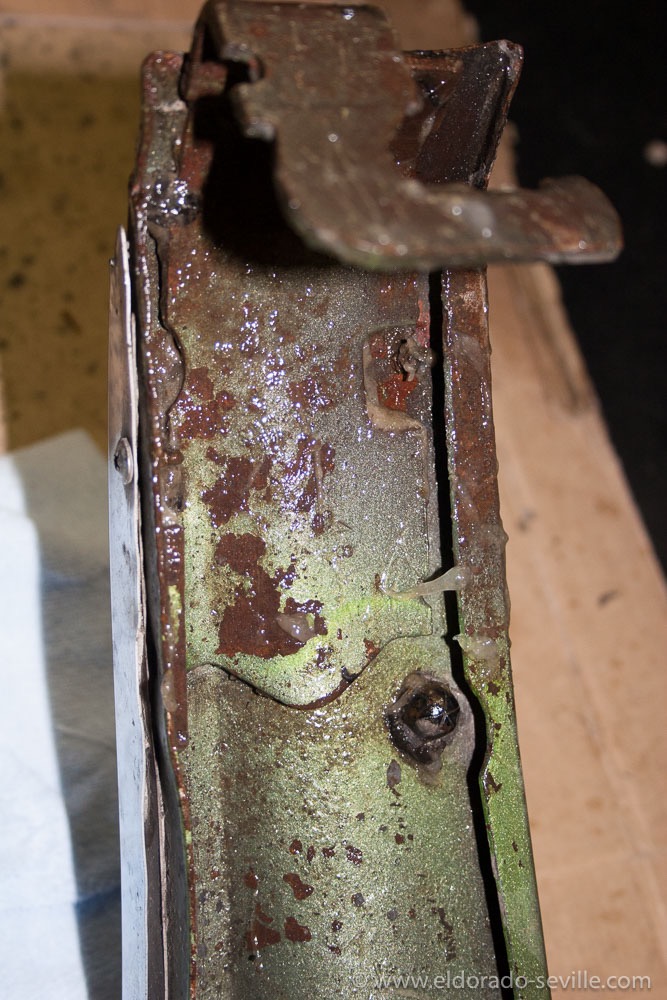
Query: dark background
pixel 592 95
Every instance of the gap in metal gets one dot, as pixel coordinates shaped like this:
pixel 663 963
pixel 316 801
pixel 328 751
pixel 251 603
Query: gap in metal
pixel 446 529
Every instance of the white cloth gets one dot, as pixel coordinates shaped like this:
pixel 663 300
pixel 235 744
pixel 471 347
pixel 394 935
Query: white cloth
pixel 59 866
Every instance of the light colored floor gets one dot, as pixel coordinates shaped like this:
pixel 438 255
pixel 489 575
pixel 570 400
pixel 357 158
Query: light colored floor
pixel 589 627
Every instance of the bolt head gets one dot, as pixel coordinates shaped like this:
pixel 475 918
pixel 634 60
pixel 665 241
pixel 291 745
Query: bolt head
pixel 423 717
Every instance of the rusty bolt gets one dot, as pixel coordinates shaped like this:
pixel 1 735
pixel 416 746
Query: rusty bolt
pixel 422 717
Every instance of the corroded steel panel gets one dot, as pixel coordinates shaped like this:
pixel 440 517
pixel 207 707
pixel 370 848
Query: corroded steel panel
pixel 337 757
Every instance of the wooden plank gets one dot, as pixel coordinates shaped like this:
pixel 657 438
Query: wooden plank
pixel 589 637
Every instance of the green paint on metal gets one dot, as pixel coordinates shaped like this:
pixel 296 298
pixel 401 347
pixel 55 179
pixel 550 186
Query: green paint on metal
pixel 327 825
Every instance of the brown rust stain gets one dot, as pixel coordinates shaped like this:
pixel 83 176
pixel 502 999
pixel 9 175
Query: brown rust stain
pixel 393 774
pixel 300 889
pixel 446 936
pixel 231 493
pixel 303 477
pixel 199 412
pixel 250 624
pixel 394 392
pixel 490 783
pixel 261 915
pixel 250 879
pixel 295 847
pixel 344 363
pixel 261 936
pixel 372 649
pixel 316 392
pixel 294 931
pixel 354 854
pixel 307 608
pixel 378 346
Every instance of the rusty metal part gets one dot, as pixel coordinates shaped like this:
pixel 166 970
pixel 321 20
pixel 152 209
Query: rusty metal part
pixel 422 718
pixel 313 735
pixel 374 218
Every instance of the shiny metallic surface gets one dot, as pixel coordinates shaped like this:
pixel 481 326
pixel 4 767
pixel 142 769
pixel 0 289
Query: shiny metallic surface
pixel 142 959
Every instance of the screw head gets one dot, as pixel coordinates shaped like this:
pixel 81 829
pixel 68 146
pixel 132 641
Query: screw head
pixel 123 461
pixel 422 717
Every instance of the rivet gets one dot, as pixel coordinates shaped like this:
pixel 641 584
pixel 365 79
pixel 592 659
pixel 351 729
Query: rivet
pixel 123 461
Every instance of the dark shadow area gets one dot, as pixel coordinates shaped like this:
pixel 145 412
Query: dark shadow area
pixel 452 625
pixel 591 101
pixel 240 207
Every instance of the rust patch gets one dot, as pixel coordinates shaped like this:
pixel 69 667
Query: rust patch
pixel 250 879
pixel 395 391
pixel 334 949
pixel 199 411
pixel 303 477
pixel 231 494
pixel 336 925
pixel 447 935
pixel 199 381
pixel 372 650
pixel 399 838
pixel 310 853
pixel 294 931
pixel 313 393
pixel 328 852
pixel 261 936
pixel 300 889
pixel 354 854
pixel 491 784
pixel 261 915
pixel 251 624
pixel 295 847
pixel 378 346
pixel 308 608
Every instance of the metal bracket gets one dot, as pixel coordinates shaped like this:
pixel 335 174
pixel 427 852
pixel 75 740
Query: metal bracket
pixel 334 120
